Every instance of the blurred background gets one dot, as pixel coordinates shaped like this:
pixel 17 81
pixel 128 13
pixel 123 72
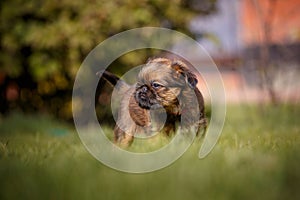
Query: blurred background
pixel 44 43
pixel 255 44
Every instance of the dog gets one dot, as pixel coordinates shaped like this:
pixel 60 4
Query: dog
pixel 166 92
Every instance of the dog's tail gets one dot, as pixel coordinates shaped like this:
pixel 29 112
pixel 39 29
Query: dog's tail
pixel 110 77
pixel 114 80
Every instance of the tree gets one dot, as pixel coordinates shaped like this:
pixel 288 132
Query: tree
pixel 44 42
pixel 265 66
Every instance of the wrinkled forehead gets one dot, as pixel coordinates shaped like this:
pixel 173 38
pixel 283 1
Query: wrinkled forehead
pixel 159 72
pixel 151 70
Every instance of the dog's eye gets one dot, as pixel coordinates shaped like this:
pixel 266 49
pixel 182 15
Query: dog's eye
pixel 156 85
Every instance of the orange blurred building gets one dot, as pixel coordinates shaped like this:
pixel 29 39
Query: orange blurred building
pixel 280 17
pixel 241 29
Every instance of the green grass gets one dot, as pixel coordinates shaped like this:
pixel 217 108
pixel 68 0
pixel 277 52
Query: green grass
pixel 257 157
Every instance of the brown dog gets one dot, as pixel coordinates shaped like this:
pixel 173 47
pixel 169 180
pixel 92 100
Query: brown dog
pixel 166 89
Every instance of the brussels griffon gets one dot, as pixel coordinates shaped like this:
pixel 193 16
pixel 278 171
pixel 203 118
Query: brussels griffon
pixel 165 88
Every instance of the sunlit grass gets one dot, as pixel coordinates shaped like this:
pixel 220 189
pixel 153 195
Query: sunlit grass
pixel 257 157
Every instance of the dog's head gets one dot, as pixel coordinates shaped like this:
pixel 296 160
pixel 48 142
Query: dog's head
pixel 161 81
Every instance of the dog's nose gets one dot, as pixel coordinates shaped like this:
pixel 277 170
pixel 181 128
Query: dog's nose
pixel 144 88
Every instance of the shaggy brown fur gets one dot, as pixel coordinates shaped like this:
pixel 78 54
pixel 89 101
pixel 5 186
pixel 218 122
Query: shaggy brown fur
pixel 163 85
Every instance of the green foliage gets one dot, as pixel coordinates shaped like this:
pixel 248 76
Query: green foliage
pixel 41 40
pixel 257 157
pixel 61 32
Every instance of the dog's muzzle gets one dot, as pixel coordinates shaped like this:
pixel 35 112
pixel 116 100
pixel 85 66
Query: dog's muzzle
pixel 145 98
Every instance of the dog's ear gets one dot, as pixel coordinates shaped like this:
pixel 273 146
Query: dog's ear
pixel 182 70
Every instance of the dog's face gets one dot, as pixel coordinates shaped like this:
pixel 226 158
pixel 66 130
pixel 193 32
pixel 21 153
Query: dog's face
pixel 161 81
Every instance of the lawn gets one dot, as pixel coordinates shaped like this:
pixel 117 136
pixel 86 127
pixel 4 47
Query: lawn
pixel 257 157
